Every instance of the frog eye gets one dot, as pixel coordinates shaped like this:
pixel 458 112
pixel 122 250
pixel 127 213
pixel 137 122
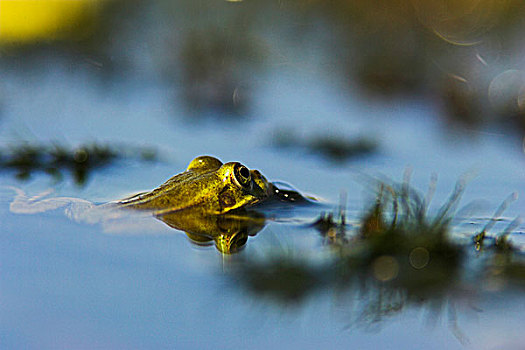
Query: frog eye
pixel 242 175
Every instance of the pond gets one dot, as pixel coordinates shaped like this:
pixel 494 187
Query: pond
pixel 278 101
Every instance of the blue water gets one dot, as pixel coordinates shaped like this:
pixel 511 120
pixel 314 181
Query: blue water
pixel 68 285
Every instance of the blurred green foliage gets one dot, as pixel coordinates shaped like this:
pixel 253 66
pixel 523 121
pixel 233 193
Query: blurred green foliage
pixel 453 51
pixel 81 161
pixel 397 255
pixel 336 149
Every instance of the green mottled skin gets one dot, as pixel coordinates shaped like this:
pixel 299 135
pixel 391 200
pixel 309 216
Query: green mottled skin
pixel 207 185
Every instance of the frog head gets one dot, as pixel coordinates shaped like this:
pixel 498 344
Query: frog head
pixel 207 184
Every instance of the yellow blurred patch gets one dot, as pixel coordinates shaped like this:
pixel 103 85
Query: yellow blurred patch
pixel 24 21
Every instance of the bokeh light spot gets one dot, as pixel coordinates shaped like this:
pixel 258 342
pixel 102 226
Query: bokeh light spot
pixel 385 268
pixel 81 156
pixel 505 89
pixel 459 22
pixel 419 258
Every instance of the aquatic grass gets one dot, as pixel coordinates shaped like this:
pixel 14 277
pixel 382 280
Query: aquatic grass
pixel 23 159
pixel 399 254
pixel 505 263
pixel 26 159
pixel 481 237
pixel 404 248
pixel 334 149
pixel 339 150
pixel 333 229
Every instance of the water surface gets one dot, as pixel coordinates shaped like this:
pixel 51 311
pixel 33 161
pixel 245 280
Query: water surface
pixel 66 284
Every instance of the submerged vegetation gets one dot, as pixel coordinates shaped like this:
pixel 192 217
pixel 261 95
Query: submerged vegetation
pixel 55 160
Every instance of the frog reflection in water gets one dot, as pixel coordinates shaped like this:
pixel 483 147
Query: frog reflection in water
pixel 208 201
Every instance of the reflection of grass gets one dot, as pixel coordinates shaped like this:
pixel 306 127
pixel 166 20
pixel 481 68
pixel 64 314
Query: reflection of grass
pixel 282 278
pixel 27 159
pixel 504 267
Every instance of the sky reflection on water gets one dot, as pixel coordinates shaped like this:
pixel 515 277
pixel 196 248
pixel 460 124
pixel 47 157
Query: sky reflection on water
pixel 69 285
pixel 149 291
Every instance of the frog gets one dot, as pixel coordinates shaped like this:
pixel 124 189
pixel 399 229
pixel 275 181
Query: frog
pixel 207 184
pixel 209 201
